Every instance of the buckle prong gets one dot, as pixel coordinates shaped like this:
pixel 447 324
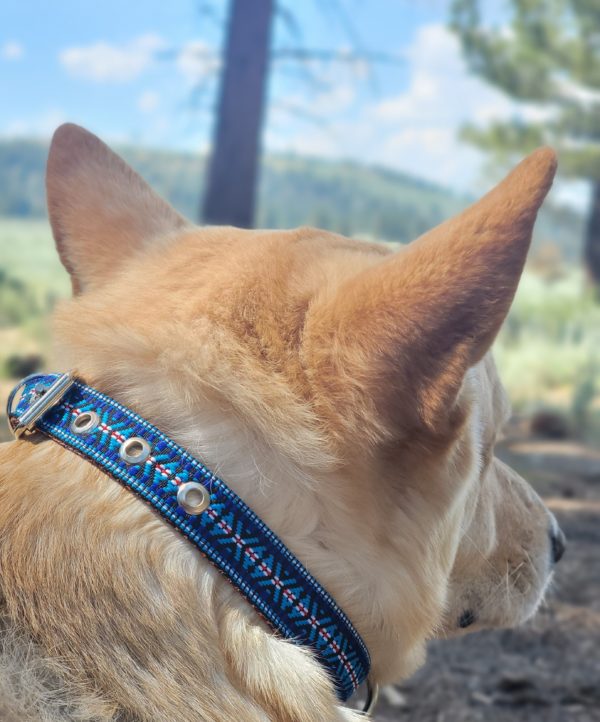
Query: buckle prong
pixel 25 423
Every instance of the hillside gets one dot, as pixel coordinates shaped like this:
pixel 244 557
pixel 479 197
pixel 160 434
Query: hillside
pixel 339 195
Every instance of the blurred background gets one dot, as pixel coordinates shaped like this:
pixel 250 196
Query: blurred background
pixel 376 119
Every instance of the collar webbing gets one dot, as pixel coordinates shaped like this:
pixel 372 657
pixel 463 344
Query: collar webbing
pixel 227 532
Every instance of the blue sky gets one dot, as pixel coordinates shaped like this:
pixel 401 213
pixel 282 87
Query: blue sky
pixel 130 73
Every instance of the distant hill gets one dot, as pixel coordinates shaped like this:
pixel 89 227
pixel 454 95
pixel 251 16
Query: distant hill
pixel 344 196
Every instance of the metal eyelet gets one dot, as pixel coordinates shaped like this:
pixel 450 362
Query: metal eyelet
pixel 85 422
pixel 193 498
pixel 134 450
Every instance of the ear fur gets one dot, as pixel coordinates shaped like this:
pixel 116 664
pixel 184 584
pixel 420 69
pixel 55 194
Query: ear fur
pixel 100 210
pixel 395 342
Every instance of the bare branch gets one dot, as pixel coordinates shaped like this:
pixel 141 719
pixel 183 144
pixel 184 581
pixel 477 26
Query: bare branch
pixel 209 11
pixel 299 111
pixel 290 22
pixel 337 56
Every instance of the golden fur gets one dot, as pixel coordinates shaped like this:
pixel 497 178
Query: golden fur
pixel 344 392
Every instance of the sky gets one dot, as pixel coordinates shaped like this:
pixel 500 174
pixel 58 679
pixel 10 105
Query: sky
pixel 145 73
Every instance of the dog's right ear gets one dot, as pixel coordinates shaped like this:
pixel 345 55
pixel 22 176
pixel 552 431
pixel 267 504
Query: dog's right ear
pixel 101 211
pixel 388 350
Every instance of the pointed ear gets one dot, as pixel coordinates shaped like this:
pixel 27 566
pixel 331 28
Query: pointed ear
pixel 100 210
pixel 390 350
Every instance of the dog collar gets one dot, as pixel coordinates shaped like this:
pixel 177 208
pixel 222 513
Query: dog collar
pixel 204 509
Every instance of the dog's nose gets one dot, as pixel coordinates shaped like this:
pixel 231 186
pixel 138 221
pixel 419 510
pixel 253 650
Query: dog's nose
pixel 558 543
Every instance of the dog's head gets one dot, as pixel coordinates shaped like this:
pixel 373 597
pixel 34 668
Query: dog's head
pixel 344 391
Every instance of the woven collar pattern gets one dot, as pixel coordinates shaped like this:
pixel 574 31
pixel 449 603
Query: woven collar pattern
pixel 227 532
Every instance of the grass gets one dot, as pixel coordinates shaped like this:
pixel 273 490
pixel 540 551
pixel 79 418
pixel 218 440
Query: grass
pixel 548 352
pixel 27 252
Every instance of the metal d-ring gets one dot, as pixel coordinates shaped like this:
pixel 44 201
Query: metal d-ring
pixel 372 697
pixel 52 395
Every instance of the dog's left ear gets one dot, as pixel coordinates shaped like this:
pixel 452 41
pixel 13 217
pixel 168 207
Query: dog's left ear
pixel 389 350
pixel 101 211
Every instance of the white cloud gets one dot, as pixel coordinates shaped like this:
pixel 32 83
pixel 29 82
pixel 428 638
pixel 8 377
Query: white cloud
pixel 335 100
pixel 422 124
pixel 417 130
pixel 103 62
pixel 148 101
pixel 441 91
pixel 12 50
pixel 197 60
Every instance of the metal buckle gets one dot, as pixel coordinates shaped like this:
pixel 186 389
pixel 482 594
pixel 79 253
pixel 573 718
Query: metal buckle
pixel 372 697
pixel 51 396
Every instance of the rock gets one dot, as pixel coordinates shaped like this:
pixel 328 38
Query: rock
pixel 18 366
pixel 550 425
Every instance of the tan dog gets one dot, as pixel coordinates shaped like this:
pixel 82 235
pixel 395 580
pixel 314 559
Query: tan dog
pixel 344 392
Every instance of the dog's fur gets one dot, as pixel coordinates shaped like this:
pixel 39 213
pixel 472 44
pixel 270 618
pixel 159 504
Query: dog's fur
pixel 345 392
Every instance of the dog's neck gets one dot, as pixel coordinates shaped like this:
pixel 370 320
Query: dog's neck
pixel 179 611
pixel 305 504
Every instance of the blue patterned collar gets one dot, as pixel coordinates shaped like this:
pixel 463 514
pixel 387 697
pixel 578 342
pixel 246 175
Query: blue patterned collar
pixel 204 509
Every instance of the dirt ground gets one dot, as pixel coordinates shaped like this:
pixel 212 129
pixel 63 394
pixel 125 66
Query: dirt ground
pixel 549 670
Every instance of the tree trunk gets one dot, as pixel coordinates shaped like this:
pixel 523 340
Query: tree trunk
pixel 592 238
pixel 233 170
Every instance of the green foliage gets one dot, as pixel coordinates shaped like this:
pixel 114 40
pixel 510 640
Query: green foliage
pixel 17 303
pixel 337 195
pixel 27 253
pixel 22 166
pixel 341 196
pixel 584 395
pixel 549 55
pixel 350 198
pixel 549 349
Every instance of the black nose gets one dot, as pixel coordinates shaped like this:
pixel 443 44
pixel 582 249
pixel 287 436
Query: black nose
pixel 559 544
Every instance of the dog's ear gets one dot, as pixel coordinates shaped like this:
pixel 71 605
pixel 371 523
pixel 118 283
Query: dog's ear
pixel 100 210
pixel 394 343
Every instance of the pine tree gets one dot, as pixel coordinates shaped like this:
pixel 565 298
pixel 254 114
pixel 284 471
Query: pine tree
pixel 548 55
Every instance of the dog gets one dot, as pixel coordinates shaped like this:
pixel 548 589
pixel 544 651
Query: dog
pixel 345 392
